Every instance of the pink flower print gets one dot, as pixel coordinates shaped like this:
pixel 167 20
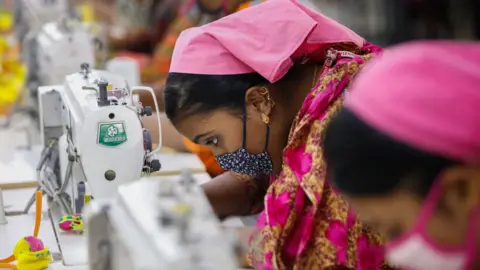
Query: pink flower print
pixel 298 240
pixel 261 221
pixel 299 161
pixel 268 261
pixel 337 234
pixel 319 105
pixel 278 209
pixel 369 256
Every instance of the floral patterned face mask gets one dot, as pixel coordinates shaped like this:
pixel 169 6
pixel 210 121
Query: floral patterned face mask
pixel 243 162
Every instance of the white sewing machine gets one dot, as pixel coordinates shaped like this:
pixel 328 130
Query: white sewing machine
pixel 54 50
pixel 32 14
pixel 61 47
pixel 158 224
pixel 93 136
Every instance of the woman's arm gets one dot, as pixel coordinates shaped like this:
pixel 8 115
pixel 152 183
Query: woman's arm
pixel 232 194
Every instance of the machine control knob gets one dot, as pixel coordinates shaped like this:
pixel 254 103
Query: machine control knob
pixel 84 66
pixel 103 94
pixel 155 165
pixel 147 140
pixel 147 110
pixel 85 69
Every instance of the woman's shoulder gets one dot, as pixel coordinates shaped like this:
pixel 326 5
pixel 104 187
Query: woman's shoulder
pixel 326 97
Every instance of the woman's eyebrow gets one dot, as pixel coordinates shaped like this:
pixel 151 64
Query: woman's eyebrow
pixel 199 136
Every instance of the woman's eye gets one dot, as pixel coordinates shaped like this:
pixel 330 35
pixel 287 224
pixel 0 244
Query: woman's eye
pixel 212 142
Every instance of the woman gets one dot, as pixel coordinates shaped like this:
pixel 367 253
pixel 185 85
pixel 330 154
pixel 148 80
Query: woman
pixel 257 88
pixel 406 153
pixel 193 13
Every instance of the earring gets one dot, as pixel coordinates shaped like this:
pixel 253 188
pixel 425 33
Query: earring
pixel 267 94
pixel 265 119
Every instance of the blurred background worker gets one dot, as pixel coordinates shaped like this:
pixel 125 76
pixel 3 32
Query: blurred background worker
pixel 387 22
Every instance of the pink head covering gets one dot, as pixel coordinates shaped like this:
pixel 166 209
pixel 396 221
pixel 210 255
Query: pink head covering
pixel 261 39
pixel 426 95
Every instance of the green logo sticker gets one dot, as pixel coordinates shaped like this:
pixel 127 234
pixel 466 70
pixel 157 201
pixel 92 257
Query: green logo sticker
pixel 111 134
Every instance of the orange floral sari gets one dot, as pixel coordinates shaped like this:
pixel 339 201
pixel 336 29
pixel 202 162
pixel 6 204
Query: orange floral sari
pixel 305 223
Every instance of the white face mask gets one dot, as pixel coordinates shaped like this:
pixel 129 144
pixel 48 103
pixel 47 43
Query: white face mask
pixel 417 251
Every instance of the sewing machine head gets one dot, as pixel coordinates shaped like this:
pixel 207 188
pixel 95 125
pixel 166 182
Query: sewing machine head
pixel 29 15
pixel 163 223
pixel 54 44
pixel 62 46
pixel 95 124
pixel 57 49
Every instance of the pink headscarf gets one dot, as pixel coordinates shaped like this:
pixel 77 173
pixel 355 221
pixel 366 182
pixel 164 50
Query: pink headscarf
pixel 266 38
pixel 426 95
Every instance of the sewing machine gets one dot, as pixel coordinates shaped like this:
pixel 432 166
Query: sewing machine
pixel 93 137
pixel 32 14
pixel 55 49
pixel 158 224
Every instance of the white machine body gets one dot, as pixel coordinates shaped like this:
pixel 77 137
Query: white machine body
pixel 61 49
pixel 32 14
pixel 158 224
pixel 54 44
pixel 104 145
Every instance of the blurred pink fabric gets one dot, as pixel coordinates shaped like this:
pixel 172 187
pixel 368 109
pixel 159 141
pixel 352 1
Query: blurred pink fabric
pixel 261 39
pixel 424 94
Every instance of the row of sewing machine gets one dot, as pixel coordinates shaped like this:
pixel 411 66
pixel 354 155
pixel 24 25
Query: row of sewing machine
pixel 113 199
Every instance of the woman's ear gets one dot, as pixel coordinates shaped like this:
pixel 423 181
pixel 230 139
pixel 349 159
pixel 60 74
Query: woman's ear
pixel 461 185
pixel 259 97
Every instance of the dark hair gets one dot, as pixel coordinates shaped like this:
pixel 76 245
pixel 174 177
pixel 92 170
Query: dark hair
pixel 187 94
pixel 365 162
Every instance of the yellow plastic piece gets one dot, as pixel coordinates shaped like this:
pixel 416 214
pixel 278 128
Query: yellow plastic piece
pixel 6 21
pixel 86 199
pixel 87 12
pixel 12 71
pixel 6 263
pixel 11 82
pixel 28 260
pixel 181 208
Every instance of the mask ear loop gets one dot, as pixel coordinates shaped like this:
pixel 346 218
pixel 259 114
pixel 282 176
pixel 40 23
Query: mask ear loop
pixel 431 202
pixel 267 119
pixel 471 243
pixel 267 136
pixel 244 119
pixel 244 139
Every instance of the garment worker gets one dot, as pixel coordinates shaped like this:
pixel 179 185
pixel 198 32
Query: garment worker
pixel 405 151
pixel 193 13
pixel 258 88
